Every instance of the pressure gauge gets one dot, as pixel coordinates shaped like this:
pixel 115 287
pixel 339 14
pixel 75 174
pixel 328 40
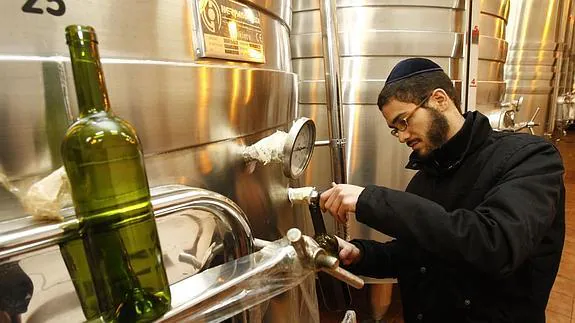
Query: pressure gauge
pixel 298 147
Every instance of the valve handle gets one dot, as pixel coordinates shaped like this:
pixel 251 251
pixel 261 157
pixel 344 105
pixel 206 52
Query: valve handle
pixel 309 252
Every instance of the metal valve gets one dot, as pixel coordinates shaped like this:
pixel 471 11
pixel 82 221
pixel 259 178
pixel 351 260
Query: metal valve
pixel 567 98
pixel 529 124
pixel 312 255
pixel 506 116
pixel 515 105
pixel 565 115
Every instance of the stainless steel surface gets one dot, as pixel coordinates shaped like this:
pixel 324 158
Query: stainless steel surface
pixel 535 32
pixel 190 122
pixel 492 54
pixel 566 78
pixel 193 116
pixel 564 115
pixel 149 65
pixel 569 71
pixel 148 30
pixel 330 45
pixel 34 116
pixel 188 218
pixel 373 36
pixel 220 292
pixel 565 111
pixel 260 244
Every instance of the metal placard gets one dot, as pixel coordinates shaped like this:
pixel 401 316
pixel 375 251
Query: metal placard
pixel 230 30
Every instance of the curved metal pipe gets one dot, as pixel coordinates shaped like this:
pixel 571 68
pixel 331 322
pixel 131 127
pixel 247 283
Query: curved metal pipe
pixel 220 292
pixel 22 236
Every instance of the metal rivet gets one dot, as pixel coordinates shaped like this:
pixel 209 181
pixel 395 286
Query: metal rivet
pixel 423 270
pixel 467 302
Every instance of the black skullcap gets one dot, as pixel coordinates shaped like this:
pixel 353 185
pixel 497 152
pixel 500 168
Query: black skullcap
pixel 411 67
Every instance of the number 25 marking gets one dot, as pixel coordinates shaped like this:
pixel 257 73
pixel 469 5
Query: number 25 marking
pixel 28 7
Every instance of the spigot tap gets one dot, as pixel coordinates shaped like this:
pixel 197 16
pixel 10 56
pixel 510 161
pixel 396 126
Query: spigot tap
pixel 311 254
pixel 529 124
pixel 514 105
pixel 304 195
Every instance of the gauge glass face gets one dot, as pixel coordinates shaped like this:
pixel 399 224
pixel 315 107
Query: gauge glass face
pixel 302 149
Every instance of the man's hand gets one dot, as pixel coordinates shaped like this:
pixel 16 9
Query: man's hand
pixel 348 253
pixel 340 200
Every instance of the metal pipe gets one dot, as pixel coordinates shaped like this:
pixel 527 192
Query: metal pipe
pixel 23 236
pixel 322 143
pixel 223 291
pixel 260 243
pixel 552 114
pixel 329 37
pixel 220 292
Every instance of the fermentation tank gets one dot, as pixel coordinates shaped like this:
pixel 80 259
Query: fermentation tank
pixel 536 33
pixel 195 96
pixel 492 54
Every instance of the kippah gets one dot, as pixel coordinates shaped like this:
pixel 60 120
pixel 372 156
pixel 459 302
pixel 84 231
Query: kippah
pixel 411 67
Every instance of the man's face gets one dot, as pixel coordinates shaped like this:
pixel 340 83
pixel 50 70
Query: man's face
pixel 426 130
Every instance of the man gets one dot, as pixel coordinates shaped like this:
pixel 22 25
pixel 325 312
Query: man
pixel 480 230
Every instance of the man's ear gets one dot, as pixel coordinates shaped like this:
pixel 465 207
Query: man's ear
pixel 440 99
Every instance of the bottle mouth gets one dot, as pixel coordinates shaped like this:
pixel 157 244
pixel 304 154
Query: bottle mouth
pixel 80 33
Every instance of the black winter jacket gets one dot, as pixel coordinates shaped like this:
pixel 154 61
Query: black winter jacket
pixel 479 232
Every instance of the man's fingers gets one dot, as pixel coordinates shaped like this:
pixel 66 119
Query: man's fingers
pixel 323 198
pixel 337 203
pixel 332 202
pixel 342 213
pixel 344 256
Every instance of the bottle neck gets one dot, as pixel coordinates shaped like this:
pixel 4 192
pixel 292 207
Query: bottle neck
pixel 317 219
pixel 88 77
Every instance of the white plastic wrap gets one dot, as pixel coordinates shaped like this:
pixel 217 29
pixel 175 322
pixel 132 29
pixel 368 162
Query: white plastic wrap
pixel 268 149
pixel 46 197
pixel 349 317
pixel 249 284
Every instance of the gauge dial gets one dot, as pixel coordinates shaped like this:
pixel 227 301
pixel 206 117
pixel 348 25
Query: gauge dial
pixel 298 147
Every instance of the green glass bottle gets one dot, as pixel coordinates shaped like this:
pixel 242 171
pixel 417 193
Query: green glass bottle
pixel 75 259
pixel 326 241
pixel 104 161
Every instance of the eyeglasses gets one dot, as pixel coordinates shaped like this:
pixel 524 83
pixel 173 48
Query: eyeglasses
pixel 401 124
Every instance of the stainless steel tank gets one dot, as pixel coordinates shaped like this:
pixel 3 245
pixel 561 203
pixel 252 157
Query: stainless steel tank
pixel 192 110
pixel 566 78
pixel 536 34
pixel 373 37
pixel 565 115
pixel 492 54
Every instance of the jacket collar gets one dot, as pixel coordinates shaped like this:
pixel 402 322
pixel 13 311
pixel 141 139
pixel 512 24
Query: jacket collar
pixel 476 129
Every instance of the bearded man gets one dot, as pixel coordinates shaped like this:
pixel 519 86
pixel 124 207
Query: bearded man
pixel 480 229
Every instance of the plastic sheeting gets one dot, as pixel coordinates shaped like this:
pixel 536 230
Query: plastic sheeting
pixel 45 198
pixel 246 287
pixel 268 149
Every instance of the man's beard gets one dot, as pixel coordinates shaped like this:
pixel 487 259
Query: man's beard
pixel 437 133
